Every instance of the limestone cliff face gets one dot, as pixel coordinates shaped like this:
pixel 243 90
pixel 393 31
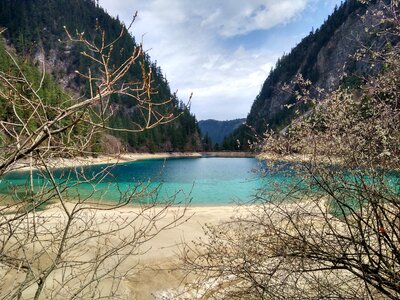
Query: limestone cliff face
pixel 335 60
pixel 326 57
pixel 59 62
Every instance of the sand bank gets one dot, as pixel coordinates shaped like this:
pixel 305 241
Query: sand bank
pixel 156 264
pixel 300 158
pixel 232 154
pixel 161 264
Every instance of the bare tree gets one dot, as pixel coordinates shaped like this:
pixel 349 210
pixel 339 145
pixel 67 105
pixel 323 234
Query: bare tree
pixel 331 229
pixel 74 248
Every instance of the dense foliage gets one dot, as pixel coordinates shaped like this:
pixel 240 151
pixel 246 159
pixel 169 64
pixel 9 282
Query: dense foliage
pixel 44 87
pixel 51 91
pixel 36 30
pixel 218 130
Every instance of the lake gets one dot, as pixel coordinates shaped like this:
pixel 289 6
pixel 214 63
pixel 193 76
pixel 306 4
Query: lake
pixel 205 181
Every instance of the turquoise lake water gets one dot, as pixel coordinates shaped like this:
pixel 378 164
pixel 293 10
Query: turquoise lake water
pixel 203 181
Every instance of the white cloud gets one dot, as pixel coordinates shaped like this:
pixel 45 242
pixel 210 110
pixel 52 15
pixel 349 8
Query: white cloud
pixel 190 41
pixel 254 15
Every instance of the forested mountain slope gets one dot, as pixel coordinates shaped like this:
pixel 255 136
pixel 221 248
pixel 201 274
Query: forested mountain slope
pixel 218 130
pixel 35 29
pixel 325 57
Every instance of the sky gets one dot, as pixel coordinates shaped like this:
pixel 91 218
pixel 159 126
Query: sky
pixel 220 50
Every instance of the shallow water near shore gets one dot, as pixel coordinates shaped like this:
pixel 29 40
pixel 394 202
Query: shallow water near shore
pixel 203 181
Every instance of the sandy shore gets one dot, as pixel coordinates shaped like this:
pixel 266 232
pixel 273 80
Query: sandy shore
pixel 228 154
pixel 161 264
pixel 300 158
pixel 155 270
pixel 159 268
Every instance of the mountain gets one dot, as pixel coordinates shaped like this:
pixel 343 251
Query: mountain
pixel 325 57
pixel 218 130
pixel 35 29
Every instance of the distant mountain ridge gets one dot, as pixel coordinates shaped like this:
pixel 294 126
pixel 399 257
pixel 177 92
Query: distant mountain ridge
pixel 218 130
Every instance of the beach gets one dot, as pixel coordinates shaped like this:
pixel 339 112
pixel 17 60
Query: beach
pixel 153 268
pixel 160 267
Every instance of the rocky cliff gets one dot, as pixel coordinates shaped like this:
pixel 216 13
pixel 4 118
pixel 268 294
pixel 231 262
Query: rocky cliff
pixel 325 57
